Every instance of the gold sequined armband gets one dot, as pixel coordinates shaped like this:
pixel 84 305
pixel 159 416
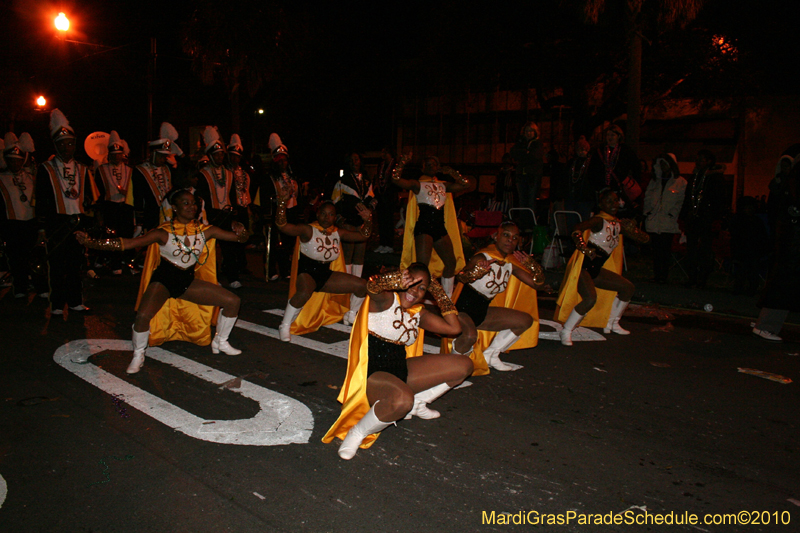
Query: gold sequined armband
pixel 633 232
pixel 536 270
pixel 473 274
pixel 398 169
pixel 105 245
pixel 379 283
pixel 446 306
pixel 580 244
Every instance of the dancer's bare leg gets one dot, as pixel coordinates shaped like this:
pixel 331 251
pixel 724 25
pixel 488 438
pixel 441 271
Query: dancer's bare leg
pixel 395 398
pixel 423 245
pixel 612 281
pixel 427 371
pixel 152 300
pixel 341 283
pixel 588 293
pixel 469 334
pixel 444 249
pixel 205 293
pixel 501 318
pixel 304 289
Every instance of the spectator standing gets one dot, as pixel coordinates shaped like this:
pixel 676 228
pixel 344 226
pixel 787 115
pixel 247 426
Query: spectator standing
pixel 663 200
pixel 615 166
pixel 702 206
pixel 782 292
pixel 579 195
pixel 749 246
pixel 527 154
pixel 778 191
pixel 557 171
pixel 504 187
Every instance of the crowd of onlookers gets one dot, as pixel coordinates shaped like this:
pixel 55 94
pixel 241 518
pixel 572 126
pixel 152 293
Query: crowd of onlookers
pixel 688 216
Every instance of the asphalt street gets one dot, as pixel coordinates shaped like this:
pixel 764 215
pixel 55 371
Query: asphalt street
pixel 658 422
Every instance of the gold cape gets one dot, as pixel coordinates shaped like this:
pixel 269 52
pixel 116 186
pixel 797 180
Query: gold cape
pixel 568 296
pixel 322 308
pixel 179 320
pixel 353 395
pixel 517 296
pixel 451 225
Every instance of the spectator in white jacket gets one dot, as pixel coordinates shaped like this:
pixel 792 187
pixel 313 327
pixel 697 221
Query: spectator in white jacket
pixel 663 200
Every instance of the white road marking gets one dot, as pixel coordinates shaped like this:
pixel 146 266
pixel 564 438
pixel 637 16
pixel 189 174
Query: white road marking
pixel 578 334
pixel 3 490
pixel 280 420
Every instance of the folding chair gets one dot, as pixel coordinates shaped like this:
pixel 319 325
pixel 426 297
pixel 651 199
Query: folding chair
pixel 525 219
pixel 564 222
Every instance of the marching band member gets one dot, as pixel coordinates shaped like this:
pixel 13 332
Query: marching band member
pixel 281 178
pixel 178 290
pixel 593 290
pixel 319 282
pixel 352 191
pixel 242 209
pixel 432 235
pixel 65 192
pixel 496 302
pixel 116 177
pixel 153 179
pixel 385 380
pixel 17 216
pixel 215 187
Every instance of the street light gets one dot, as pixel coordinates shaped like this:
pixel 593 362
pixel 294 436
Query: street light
pixel 62 22
pixel 41 101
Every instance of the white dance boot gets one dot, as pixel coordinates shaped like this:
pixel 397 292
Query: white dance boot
pixel 447 285
pixel 617 308
pixel 220 342
pixel 422 399
pixel 289 317
pixel 355 305
pixel 571 323
pixel 140 339
pixel 366 426
pixel 502 341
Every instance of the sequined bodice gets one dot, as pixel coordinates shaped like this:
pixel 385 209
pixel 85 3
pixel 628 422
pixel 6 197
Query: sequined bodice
pixel 321 247
pixel 608 237
pixel 177 252
pixel 495 281
pixel 395 324
pixel 432 193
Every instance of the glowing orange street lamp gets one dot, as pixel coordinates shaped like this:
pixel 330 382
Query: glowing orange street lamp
pixel 41 101
pixel 62 22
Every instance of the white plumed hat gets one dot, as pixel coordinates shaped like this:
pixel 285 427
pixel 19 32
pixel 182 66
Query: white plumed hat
pixel 236 144
pixel 212 140
pixel 115 145
pixel 59 126
pixel 277 146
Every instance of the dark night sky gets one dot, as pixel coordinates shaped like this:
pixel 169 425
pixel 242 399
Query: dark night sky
pixel 348 66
